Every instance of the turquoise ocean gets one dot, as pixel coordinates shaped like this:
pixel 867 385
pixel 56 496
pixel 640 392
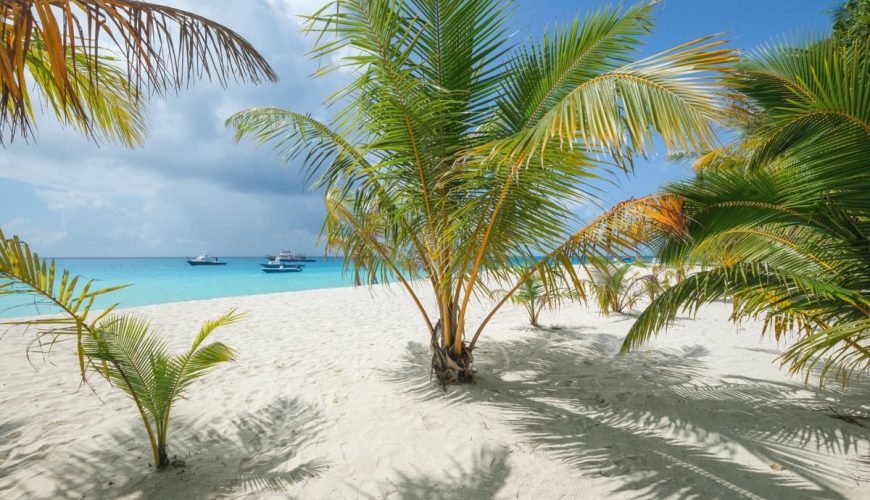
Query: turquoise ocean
pixel 171 279
pixel 159 280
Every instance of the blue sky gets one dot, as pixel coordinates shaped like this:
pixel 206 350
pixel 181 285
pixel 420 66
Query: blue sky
pixel 191 189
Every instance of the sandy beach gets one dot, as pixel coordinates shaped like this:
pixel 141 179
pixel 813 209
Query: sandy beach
pixel 331 398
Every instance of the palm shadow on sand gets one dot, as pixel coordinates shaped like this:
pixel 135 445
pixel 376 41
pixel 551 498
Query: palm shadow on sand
pixel 261 454
pixel 11 457
pixel 639 418
pixel 488 472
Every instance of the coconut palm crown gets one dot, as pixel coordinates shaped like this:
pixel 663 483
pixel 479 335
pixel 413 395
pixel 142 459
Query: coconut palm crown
pixel 455 149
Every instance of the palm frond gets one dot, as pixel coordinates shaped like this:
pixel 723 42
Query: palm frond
pixel 783 222
pixel 23 272
pixel 161 48
pixel 108 108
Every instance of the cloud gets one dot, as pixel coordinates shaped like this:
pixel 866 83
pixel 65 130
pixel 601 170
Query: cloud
pixel 190 187
pixel 36 236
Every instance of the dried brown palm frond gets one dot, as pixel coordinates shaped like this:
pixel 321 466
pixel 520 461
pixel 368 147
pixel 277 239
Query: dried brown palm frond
pixel 160 48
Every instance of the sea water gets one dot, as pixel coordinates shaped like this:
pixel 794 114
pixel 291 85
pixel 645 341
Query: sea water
pixel 172 279
pixel 159 280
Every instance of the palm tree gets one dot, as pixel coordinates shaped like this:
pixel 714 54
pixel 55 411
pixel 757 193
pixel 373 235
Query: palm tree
pixel 660 278
pixel 122 348
pixel 453 151
pixel 92 61
pixel 781 216
pixel 137 361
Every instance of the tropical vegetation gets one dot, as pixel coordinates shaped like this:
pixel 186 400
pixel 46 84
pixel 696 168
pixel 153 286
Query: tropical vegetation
pixel 455 148
pixel 131 355
pixel 122 348
pixel 534 297
pixel 852 22
pixel 780 217
pixel 94 61
pixel 616 286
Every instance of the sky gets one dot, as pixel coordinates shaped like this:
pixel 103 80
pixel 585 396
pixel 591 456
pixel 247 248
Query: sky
pixel 191 188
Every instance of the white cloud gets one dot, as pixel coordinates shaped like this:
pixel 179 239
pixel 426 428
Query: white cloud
pixel 36 236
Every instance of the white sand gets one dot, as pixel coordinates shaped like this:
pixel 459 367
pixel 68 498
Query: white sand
pixel 331 398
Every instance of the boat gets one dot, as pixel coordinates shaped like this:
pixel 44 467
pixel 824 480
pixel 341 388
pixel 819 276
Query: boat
pixel 283 268
pixel 273 264
pixel 288 256
pixel 204 259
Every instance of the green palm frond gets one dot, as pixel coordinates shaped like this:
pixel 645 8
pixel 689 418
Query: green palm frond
pixel 137 360
pixel 108 107
pixel 22 272
pixel 783 224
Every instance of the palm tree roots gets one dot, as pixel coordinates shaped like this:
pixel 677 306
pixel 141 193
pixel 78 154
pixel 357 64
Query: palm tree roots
pixel 449 367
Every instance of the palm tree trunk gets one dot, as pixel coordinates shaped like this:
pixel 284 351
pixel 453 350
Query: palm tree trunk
pixel 449 367
pixel 161 455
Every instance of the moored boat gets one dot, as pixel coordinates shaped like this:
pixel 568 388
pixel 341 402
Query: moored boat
pixel 204 259
pixel 275 264
pixel 283 268
pixel 288 256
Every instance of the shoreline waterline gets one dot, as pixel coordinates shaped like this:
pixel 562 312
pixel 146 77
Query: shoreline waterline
pixel 168 280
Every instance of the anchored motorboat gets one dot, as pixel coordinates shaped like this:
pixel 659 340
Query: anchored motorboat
pixel 204 259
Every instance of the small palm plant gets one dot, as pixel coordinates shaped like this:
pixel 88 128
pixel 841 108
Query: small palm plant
pixel 122 348
pixel 136 360
pixel 660 278
pixel 614 286
pixel 534 297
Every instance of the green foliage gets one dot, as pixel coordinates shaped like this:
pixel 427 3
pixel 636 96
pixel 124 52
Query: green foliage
pixel 783 224
pixel 534 297
pixel 22 272
pixel 138 362
pixel 852 22
pixel 108 108
pixel 660 278
pixel 119 347
pixel 455 149
pixel 618 287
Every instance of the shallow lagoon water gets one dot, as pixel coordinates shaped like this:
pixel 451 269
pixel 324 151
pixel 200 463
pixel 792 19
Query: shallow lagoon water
pixel 171 279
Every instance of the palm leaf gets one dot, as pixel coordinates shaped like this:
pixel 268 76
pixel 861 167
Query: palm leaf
pixel 22 272
pixel 161 48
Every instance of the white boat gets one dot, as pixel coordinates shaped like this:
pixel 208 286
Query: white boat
pixel 288 256
pixel 276 263
pixel 204 259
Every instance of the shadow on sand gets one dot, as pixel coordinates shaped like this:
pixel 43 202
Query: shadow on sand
pixel 648 419
pixel 259 453
pixel 488 472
